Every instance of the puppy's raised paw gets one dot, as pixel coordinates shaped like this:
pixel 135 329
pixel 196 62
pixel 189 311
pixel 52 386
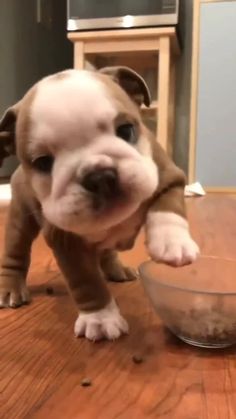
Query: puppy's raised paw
pixel 169 240
pixel 102 324
pixel 176 252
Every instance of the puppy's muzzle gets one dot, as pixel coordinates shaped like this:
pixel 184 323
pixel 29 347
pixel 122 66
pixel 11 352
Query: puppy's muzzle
pixel 103 184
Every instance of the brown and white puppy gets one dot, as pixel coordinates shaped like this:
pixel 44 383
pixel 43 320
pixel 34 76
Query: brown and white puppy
pixel 91 175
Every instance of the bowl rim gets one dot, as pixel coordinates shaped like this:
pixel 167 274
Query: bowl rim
pixel 143 277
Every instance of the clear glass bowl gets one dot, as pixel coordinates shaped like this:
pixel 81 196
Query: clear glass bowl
pixel 196 302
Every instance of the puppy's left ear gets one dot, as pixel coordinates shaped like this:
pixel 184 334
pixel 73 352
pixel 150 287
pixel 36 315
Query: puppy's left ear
pixel 7 132
pixel 131 82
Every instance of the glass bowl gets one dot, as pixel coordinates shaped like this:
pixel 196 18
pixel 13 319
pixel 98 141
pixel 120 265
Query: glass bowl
pixel 196 302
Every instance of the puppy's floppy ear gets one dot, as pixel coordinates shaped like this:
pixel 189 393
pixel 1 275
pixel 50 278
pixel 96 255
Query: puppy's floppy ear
pixel 131 82
pixel 7 132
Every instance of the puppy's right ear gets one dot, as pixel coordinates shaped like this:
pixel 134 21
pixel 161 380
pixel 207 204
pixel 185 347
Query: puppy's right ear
pixel 7 132
pixel 131 82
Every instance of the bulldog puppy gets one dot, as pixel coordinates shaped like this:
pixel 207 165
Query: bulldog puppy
pixel 90 175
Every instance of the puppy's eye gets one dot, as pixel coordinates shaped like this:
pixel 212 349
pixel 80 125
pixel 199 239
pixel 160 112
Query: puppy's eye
pixel 43 164
pixel 127 133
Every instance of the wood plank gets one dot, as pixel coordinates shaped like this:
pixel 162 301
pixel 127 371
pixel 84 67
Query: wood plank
pixel 121 46
pixel 79 56
pixel 150 112
pixel 151 34
pixel 42 364
pixel 171 110
pixel 220 189
pixel 122 33
pixel 163 75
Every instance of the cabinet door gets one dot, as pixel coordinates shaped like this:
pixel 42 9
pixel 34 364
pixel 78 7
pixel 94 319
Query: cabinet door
pixel 215 164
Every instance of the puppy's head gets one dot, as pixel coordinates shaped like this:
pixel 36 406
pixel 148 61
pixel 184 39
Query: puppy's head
pixel 82 144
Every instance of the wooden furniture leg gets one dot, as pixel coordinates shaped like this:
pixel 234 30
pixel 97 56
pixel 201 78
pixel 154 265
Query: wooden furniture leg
pixel 163 84
pixel 79 55
pixel 171 122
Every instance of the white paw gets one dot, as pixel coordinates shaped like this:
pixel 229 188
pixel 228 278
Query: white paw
pixel 106 323
pixel 169 241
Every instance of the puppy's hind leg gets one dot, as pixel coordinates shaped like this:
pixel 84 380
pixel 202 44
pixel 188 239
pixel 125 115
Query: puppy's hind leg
pixel 21 230
pixel 114 270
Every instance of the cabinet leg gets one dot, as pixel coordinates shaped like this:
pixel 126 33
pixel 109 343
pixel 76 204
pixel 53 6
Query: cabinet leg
pixel 163 86
pixel 79 55
pixel 171 119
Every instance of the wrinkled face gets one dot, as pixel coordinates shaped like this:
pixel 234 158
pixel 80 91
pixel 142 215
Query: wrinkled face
pixel 89 161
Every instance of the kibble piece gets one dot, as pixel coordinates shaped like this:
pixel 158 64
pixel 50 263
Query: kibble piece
pixel 137 359
pixel 49 291
pixel 86 382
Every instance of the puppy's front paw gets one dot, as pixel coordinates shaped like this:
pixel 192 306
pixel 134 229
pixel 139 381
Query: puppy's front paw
pixel 13 292
pixel 177 251
pixel 106 323
pixel 170 242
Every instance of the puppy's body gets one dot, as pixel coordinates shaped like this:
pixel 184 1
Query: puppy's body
pixel 91 175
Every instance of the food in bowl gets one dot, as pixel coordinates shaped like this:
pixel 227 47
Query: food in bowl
pixel 196 302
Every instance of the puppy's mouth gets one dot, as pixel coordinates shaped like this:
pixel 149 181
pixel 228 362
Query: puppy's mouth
pixel 105 190
pixel 105 203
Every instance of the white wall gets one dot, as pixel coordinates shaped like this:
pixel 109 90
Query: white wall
pixel 216 113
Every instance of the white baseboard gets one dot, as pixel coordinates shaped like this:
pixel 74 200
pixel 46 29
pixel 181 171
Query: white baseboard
pixel 5 193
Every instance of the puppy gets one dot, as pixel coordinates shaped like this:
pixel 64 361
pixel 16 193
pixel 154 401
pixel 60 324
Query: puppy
pixel 90 175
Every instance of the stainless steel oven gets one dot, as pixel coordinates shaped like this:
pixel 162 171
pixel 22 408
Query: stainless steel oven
pixel 107 14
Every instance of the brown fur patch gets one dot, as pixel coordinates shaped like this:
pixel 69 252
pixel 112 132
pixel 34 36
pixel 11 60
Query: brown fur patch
pixel 23 125
pixel 121 99
pixel 131 82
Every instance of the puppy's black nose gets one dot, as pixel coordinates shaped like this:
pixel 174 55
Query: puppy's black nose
pixel 102 182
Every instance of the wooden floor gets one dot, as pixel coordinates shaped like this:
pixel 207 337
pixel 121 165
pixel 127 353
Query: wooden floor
pixel 42 364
